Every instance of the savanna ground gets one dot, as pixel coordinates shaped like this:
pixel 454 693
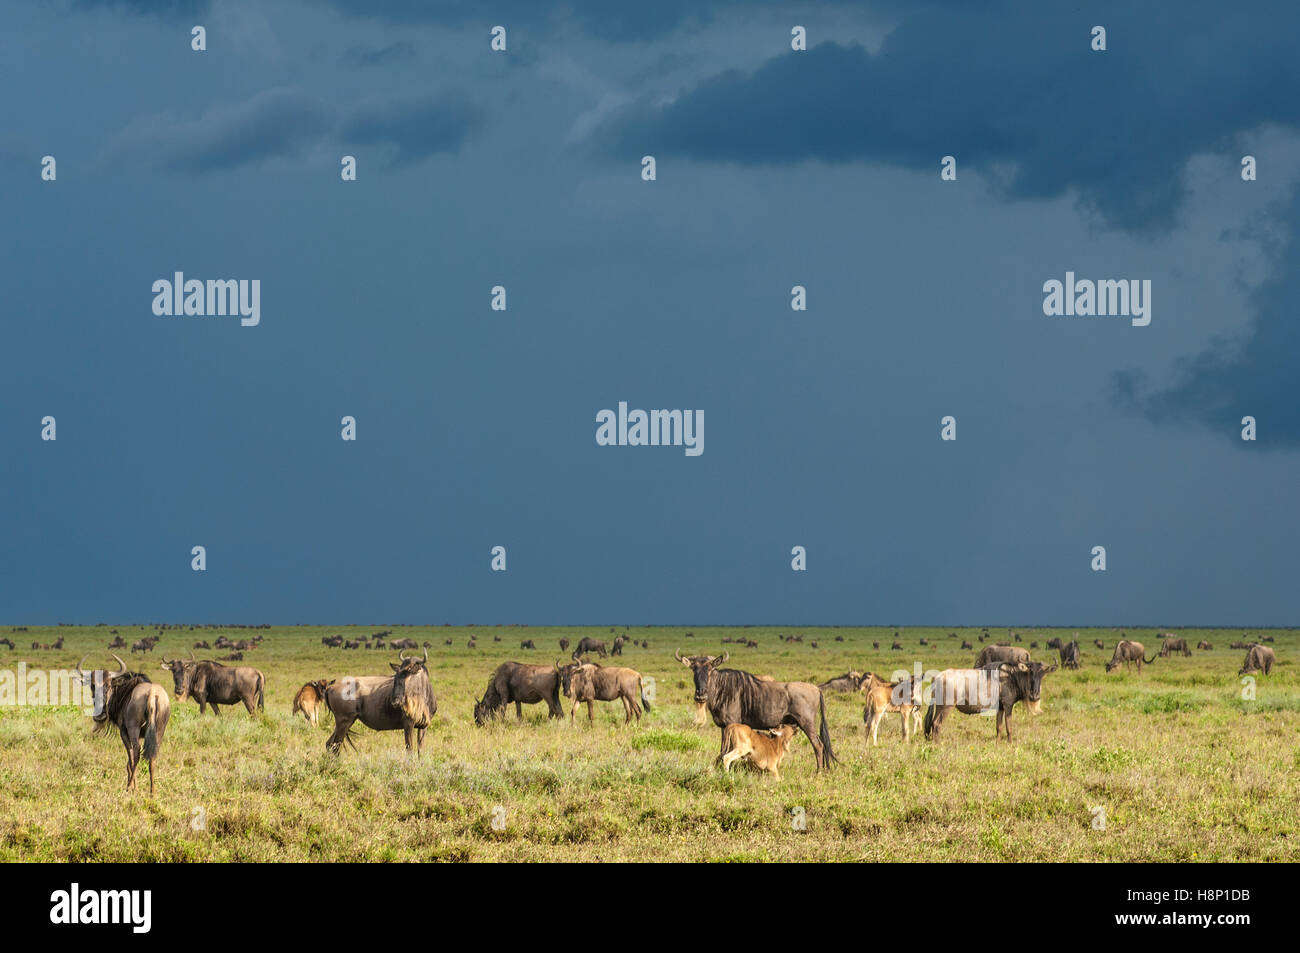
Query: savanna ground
pixel 1179 764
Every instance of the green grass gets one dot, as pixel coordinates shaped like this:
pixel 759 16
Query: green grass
pixel 1182 766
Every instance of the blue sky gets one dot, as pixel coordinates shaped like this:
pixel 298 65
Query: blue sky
pixel 775 168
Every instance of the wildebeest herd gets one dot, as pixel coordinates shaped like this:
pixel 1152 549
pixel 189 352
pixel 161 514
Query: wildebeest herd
pixel 758 716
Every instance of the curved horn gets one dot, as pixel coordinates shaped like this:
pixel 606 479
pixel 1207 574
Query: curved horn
pixel 725 656
pixel 165 660
pixel 401 655
pixel 677 654
pixel 426 653
pixel 557 665
pixel 121 665
pixel 79 664
pixel 192 655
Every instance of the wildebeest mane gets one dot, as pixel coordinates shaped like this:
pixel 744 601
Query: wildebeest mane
pixel 119 690
pixel 732 683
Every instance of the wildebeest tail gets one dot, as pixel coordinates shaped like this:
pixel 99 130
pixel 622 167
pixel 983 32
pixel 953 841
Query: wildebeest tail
pixel 151 739
pixel 928 723
pixel 645 702
pixel 1148 661
pixel 261 691
pixel 825 734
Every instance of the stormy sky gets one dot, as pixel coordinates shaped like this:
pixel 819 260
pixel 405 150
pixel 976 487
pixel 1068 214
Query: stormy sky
pixel 476 428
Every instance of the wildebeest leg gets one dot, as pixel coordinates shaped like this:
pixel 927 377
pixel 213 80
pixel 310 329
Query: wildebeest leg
pixel 591 711
pixel 341 725
pixel 1006 721
pixel 248 703
pixel 997 729
pixel 216 710
pixel 819 752
pixel 519 709
pixel 131 741
pixel 419 742
pixel 406 734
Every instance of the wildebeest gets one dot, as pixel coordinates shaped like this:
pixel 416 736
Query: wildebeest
pixel 139 710
pixel 117 643
pixel 202 645
pixel 763 749
pixel 564 645
pixel 8 642
pixel 875 645
pixel 384 702
pixel 1070 655
pixel 1001 653
pixel 592 683
pixel 1128 652
pixel 1259 658
pixel 1055 643
pixel 974 690
pixel 310 699
pixel 897 646
pixel 1240 645
pixel 848 682
pixel 142 645
pixel 522 684
pixel 1204 646
pixel 589 644
pixel 903 696
pixel 527 644
pixel 1099 643
pixel 736 697
pixel 211 683
pixel 1170 645
pixel 617 647
pixel 966 645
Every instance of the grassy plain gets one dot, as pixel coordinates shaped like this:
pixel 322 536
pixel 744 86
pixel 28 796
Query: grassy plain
pixel 1175 761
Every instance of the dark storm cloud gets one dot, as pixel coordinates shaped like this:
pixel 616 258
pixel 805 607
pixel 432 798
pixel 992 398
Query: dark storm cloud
pixel 1253 376
pixel 274 123
pixel 414 128
pixel 391 53
pixel 166 9
pixel 1023 93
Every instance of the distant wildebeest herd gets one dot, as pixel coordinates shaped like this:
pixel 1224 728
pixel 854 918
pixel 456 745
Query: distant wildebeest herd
pixel 758 716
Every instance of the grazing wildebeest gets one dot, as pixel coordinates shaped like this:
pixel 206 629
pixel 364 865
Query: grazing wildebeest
pixel 897 646
pixel 1070 655
pixel 522 684
pixel 448 642
pixel 1128 652
pixel 848 682
pixel 966 645
pixel 1054 643
pixel 925 642
pixel 974 690
pixel 384 702
pixel 117 643
pixel 139 710
pixel 617 647
pixel 1099 643
pixel 403 644
pixel 57 643
pixel 645 643
pixel 564 645
pixel 875 645
pixel 1204 646
pixel 1171 645
pixel 527 644
pixel 589 644
pixel 591 683
pixel 211 683
pixel 202 645
pixel 1240 645
pixel 765 750
pixel 310 699
pixel 1001 653
pixel 9 642
pixel 736 697
pixel 143 645
pixel 903 696
pixel 1259 658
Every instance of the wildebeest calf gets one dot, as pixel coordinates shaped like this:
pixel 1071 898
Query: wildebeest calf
pixel 903 696
pixel 763 749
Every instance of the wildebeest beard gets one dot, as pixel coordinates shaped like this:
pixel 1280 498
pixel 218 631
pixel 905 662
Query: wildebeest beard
pixel 411 695
pixel 118 691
